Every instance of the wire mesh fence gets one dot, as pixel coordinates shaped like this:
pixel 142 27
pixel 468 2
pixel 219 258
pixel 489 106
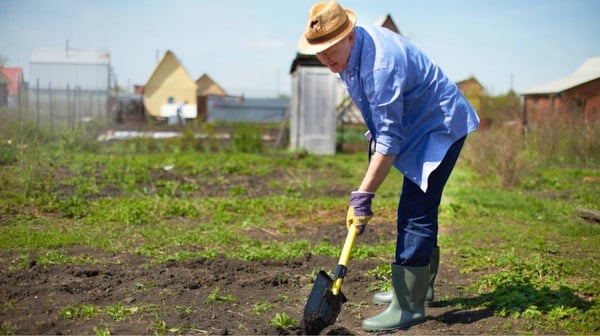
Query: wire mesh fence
pixel 56 111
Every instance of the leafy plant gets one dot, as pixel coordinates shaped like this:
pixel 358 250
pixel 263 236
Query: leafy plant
pixel 80 311
pixel 100 330
pixel 260 307
pixel 216 297
pixel 118 312
pixel 283 320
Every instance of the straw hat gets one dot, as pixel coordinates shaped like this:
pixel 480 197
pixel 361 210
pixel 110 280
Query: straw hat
pixel 327 24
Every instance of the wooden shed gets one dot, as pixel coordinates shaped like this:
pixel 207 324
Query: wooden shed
pixel 168 86
pixel 315 92
pixel 576 94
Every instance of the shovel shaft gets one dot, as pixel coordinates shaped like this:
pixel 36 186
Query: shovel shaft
pixel 344 258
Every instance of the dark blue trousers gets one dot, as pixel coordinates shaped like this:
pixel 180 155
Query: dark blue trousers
pixel 418 213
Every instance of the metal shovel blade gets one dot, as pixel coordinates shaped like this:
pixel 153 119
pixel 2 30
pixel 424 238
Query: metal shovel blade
pixel 322 307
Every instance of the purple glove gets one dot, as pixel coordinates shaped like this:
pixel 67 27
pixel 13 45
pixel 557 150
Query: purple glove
pixel 359 210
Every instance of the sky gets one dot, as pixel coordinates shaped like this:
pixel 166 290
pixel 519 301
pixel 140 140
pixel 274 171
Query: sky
pixel 248 46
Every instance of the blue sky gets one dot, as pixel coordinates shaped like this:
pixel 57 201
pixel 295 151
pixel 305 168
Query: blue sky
pixel 248 46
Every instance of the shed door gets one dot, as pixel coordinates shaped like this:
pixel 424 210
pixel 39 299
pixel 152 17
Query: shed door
pixel 317 121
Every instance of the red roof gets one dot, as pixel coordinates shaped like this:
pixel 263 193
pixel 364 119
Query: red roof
pixel 14 75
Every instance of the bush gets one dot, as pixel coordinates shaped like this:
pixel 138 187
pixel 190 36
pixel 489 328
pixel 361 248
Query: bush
pixel 567 139
pixel 510 154
pixel 8 152
pixel 498 152
pixel 247 139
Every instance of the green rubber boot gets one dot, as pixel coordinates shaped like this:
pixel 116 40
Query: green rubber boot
pixel 383 298
pixel 407 306
pixel 434 265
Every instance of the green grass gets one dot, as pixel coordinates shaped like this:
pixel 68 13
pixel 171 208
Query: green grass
pixel 534 257
pixel 531 256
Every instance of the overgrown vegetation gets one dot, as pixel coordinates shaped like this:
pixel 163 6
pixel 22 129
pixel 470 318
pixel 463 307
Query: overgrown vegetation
pixel 509 207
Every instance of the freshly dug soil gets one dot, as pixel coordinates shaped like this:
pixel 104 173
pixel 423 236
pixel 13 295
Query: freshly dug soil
pixel 213 296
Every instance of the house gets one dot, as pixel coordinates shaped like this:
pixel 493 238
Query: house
pixel 69 86
pixel 472 90
pixel 388 23
pixel 206 87
pixel 169 86
pixel 575 94
pixel 11 83
pixel 250 110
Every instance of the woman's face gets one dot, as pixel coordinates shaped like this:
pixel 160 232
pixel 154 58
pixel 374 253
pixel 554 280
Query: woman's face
pixel 336 57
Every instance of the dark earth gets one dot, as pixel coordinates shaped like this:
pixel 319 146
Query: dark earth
pixel 173 297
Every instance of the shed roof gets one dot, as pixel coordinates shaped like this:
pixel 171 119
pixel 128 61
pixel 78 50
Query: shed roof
pixel 69 56
pixel 588 71
pixel 387 22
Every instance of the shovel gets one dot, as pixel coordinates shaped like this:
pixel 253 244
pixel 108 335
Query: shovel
pixel 326 298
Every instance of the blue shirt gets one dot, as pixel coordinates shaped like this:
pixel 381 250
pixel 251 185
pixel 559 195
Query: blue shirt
pixel 409 105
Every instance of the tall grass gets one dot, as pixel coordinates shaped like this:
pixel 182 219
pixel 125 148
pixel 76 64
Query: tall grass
pixel 510 153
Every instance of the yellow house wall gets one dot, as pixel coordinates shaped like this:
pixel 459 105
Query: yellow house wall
pixel 473 91
pixel 169 80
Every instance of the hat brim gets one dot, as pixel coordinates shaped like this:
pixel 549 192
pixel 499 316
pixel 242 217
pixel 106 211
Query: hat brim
pixel 310 49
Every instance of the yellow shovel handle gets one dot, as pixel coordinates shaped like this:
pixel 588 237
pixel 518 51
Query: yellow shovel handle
pixel 345 257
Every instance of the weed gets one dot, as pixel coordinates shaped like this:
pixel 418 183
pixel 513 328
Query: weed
pixel 184 309
pixel 260 307
pixel 20 262
pixel 8 152
pixel 160 327
pixel 216 297
pixel 101 330
pixel 8 328
pixel 358 305
pixel 118 312
pixel 8 305
pixel 382 274
pixel 248 139
pixel 80 311
pixel 283 320
pixel 56 258
pixel 284 298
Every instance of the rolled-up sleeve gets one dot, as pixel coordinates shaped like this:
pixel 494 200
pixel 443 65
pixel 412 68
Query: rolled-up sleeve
pixel 386 104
